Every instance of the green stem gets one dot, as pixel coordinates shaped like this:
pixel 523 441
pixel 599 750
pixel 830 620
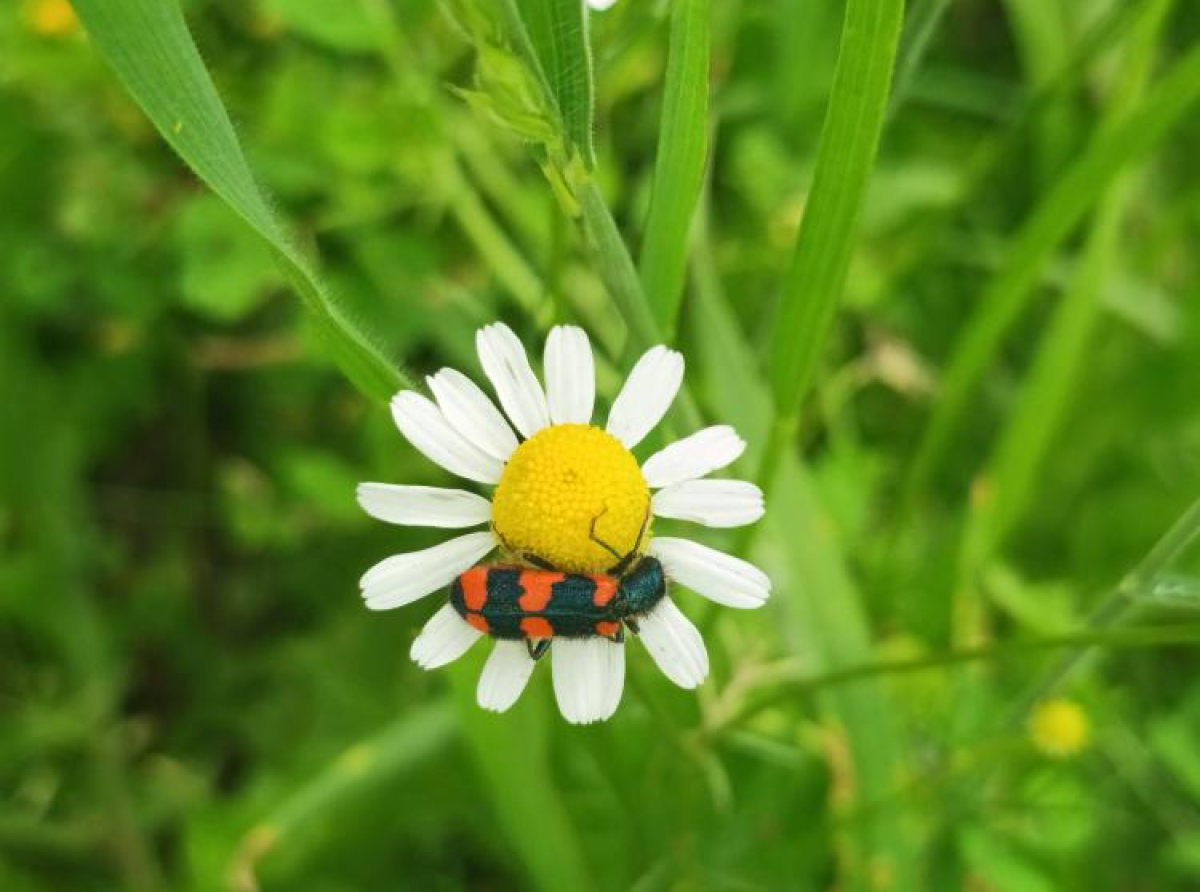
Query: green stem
pixel 800 685
pixel 616 266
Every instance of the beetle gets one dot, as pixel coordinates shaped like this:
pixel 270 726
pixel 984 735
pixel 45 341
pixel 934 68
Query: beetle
pixel 537 604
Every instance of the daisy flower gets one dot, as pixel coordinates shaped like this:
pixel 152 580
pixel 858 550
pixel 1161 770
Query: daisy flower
pixel 572 494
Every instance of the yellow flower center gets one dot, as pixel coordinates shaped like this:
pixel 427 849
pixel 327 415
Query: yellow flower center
pixel 1059 728
pixel 566 490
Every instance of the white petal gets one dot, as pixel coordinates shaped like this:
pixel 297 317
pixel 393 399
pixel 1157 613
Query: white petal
pixel 444 639
pixel 423 506
pixel 589 675
pixel 472 414
pixel 694 456
pixel 504 676
pixel 403 578
pixel 570 375
pixel 508 368
pixel 646 396
pixel 423 425
pixel 601 5
pixel 718 576
pixel 714 503
pixel 675 644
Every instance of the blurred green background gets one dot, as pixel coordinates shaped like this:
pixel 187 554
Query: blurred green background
pixel 191 693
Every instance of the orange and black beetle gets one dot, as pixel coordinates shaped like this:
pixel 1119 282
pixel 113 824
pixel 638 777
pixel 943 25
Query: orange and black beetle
pixel 537 605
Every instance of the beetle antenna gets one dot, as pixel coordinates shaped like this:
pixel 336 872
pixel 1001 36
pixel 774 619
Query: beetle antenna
pixel 642 532
pixel 623 560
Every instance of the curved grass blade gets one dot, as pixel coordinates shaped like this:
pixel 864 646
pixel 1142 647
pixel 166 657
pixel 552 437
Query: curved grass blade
pixel 148 45
pixel 679 165
pixel 845 158
pixel 557 30
pixel 1003 301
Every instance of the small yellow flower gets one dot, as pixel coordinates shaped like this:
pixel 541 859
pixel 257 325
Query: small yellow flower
pixel 1059 728
pixel 51 18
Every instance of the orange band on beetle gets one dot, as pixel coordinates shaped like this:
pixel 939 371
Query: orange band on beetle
pixel 606 590
pixel 474 587
pixel 536 627
pixel 538 586
pixel 478 621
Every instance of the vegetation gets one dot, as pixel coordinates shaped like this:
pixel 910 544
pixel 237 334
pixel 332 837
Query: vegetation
pixel 936 264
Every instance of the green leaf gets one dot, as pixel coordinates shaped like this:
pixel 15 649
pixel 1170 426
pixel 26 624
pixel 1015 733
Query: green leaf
pixel 148 45
pixel 1006 297
pixel 558 31
pixel 845 157
pixel 679 165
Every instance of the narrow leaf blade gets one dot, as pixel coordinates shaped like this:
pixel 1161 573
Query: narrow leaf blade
pixel 148 45
pixel 679 167
pixel 558 31
pixel 845 158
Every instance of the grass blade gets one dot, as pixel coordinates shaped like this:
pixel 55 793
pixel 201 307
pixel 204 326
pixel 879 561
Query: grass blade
pixel 558 31
pixel 924 18
pixel 824 615
pixel 845 157
pixel 679 165
pixel 1043 400
pixel 148 45
pixel 1009 292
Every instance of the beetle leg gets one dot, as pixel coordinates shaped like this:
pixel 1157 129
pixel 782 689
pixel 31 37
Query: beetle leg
pixel 632 624
pixel 618 637
pixel 540 562
pixel 537 649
